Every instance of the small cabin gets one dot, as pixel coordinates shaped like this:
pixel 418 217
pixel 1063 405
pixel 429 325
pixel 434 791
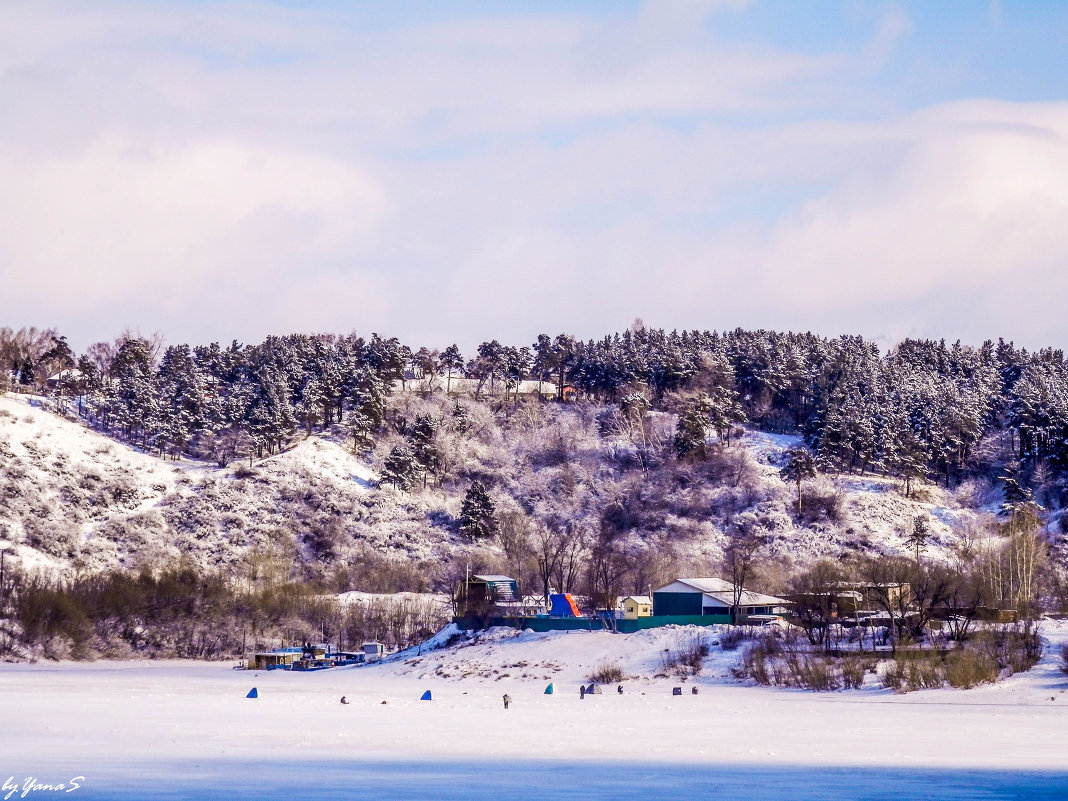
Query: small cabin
pixel 636 606
pixel 373 650
pixel 481 595
pixel 279 659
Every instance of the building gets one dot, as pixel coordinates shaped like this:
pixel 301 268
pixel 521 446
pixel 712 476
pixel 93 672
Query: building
pixel 713 597
pixel 373 650
pixel 636 606
pixel 483 595
pixel 474 387
pixel 281 658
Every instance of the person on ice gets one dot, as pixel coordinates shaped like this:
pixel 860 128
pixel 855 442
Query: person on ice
pixel 582 692
pixel 507 700
pixel 344 700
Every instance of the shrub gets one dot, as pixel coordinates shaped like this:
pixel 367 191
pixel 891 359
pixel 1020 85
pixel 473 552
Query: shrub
pixel 967 668
pixel 606 673
pixel 686 658
pixel 821 502
pixel 914 671
pixel 754 665
pixel 807 672
pixel 732 637
pixel 854 669
pixel 782 660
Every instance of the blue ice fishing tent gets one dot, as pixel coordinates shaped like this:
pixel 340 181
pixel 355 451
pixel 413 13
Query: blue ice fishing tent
pixel 426 696
pixel 252 693
pixel 549 690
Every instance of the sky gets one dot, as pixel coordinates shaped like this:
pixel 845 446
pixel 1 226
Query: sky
pixel 462 171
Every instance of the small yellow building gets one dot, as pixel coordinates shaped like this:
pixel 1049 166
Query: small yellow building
pixel 636 606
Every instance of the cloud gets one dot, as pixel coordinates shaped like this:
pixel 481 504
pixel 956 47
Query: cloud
pixel 128 220
pixel 222 170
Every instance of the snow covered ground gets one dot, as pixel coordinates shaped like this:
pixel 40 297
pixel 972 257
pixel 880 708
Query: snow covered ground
pixel 178 730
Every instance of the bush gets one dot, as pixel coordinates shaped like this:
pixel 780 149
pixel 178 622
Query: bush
pixel 245 471
pixel 821 502
pixel 732 637
pixel 967 668
pixel 914 672
pixel 606 673
pixel 782 660
pixel 854 668
pixel 686 658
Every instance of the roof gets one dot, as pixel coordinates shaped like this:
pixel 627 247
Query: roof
pixel 748 598
pixel 723 591
pixel 638 599
pixel 704 584
pixel 492 578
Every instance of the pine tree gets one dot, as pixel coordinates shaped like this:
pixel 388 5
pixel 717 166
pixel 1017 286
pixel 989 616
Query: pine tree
pixel 917 534
pixel 800 465
pixel 691 430
pixel 400 468
pixel 450 360
pixel 478 519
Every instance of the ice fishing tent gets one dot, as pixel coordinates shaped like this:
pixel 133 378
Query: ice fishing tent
pixel 561 604
pixel 252 693
pixel 426 696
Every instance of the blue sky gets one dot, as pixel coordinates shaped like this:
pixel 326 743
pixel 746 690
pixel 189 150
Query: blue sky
pixel 463 171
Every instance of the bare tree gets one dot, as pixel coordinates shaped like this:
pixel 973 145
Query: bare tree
pixel 606 573
pixel 514 535
pixel 813 593
pixel 549 544
pixel 573 557
pixel 743 543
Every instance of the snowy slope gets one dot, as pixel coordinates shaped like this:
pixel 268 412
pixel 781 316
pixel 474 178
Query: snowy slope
pixel 71 497
pixel 875 513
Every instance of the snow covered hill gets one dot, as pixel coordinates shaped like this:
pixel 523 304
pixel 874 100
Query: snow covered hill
pixel 71 498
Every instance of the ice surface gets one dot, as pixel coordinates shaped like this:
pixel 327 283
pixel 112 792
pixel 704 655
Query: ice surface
pixel 175 730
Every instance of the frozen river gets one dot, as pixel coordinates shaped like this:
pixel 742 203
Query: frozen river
pixel 178 730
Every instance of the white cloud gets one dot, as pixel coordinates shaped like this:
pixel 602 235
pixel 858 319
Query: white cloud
pixel 231 170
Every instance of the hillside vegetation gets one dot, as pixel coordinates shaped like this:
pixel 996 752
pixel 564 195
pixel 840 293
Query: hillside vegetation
pixel 315 460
